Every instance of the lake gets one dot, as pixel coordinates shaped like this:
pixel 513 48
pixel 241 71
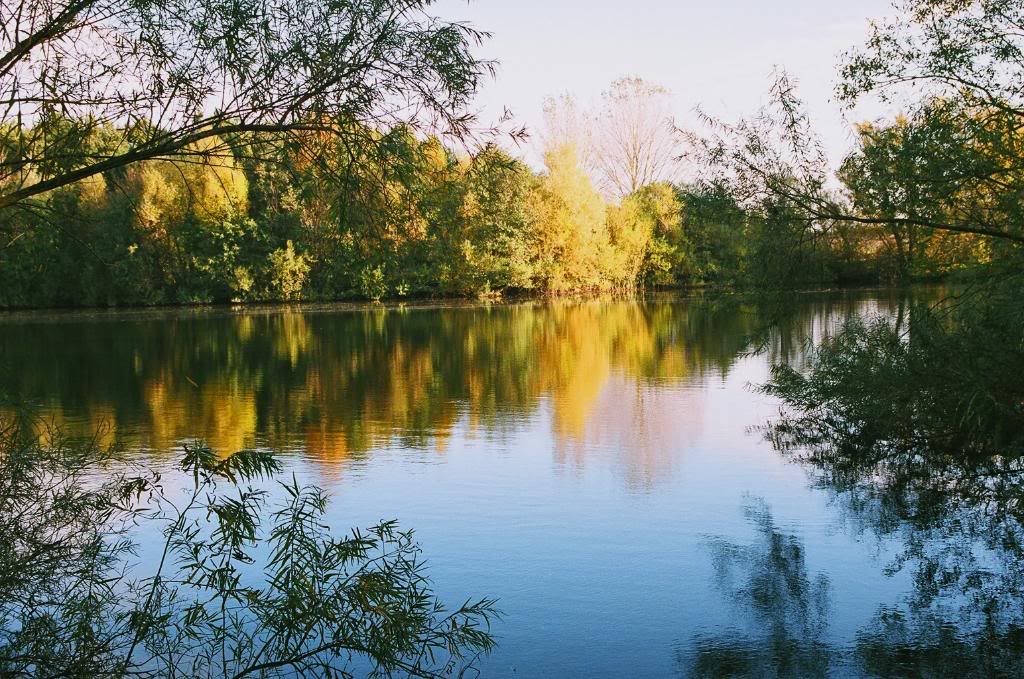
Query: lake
pixel 598 466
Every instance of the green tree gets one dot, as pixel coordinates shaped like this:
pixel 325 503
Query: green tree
pixel 716 228
pixel 498 223
pixel 288 272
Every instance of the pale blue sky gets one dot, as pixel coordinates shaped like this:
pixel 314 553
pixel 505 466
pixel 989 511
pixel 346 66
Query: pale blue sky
pixel 718 55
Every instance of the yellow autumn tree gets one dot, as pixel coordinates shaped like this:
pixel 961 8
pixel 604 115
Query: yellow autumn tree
pixel 210 189
pixel 570 218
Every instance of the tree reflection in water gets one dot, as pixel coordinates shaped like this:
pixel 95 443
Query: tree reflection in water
pixel 960 536
pixel 953 502
pixel 336 385
pixel 912 423
pixel 770 587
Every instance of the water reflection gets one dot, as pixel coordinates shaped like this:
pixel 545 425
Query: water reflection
pixel 956 525
pixel 529 406
pixel 963 632
pixel 639 424
pixel 336 385
pixel 953 521
pixel 957 516
pixel 784 607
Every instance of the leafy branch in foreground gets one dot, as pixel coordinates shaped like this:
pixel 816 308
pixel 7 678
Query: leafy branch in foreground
pixel 240 588
pixel 160 78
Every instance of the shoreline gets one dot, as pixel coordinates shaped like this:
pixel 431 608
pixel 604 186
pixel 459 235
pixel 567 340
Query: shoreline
pixel 166 311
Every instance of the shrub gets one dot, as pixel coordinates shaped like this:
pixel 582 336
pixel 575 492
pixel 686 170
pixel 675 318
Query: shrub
pixel 371 282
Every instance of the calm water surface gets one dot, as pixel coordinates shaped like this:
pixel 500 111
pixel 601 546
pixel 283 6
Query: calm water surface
pixel 597 466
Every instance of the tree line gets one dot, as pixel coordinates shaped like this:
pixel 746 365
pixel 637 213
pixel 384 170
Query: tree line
pixel 245 219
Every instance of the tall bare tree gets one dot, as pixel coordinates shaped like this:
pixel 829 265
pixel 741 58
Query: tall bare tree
pixel 634 137
pixel 567 124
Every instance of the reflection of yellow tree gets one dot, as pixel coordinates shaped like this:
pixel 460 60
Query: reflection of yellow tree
pixel 591 341
pixel 596 366
pixel 573 362
pixel 222 412
pixel 225 415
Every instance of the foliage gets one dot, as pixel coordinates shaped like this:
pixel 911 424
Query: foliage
pixel 289 272
pixel 648 235
pixel 572 236
pixel 497 222
pixel 770 174
pixel 625 143
pixel 240 588
pixel 352 199
pixel 716 228
pixel 928 193
pixel 398 215
pixel 180 73
pixel 371 283
pixel 967 48
pixel 943 165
